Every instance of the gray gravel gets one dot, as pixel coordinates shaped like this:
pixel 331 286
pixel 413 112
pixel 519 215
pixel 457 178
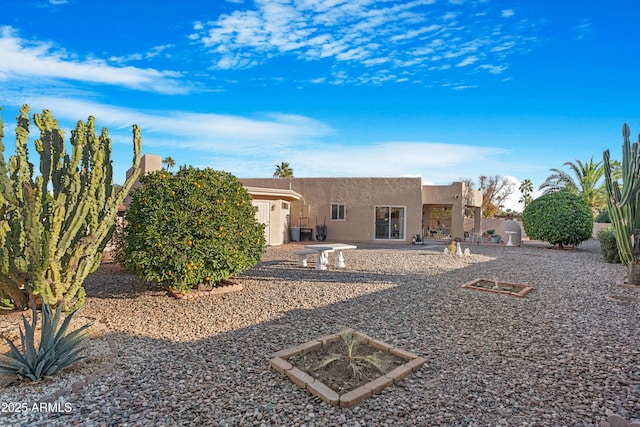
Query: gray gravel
pixel 563 356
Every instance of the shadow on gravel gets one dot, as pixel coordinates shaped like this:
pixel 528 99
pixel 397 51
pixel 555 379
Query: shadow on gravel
pixel 561 356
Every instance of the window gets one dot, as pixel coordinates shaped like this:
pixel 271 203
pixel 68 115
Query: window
pixel 390 222
pixel 338 212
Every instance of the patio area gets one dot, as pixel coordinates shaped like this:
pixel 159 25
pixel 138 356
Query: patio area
pixel 564 355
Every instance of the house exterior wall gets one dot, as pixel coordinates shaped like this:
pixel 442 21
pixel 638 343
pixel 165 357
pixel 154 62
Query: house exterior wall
pixel 457 196
pixel 148 163
pixel 360 197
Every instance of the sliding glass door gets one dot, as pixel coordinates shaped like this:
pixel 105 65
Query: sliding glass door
pixel 390 221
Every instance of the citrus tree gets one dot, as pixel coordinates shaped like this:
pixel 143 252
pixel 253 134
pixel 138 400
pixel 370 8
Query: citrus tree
pixel 194 226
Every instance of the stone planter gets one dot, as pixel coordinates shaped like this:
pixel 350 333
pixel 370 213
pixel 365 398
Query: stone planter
pixel 499 287
pixel 280 361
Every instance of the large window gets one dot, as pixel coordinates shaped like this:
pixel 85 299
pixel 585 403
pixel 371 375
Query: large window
pixel 338 212
pixel 390 222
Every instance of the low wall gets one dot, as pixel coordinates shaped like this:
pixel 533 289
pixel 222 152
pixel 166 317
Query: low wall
pixel 597 226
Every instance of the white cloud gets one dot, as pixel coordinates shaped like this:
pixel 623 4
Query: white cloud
pixel 463 87
pixel 467 61
pixel 436 162
pixel 582 30
pixel 23 59
pixel 250 146
pixel 507 13
pixel 360 34
pixel 208 132
pixel 493 69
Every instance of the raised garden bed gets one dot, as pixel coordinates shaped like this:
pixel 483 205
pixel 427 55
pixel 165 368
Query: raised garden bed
pixel 221 287
pixel 499 287
pixel 334 382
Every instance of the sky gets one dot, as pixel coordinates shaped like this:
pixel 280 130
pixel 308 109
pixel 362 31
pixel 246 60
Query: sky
pixel 441 89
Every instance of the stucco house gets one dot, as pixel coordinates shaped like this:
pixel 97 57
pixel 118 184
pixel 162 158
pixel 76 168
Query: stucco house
pixel 380 210
pixel 374 210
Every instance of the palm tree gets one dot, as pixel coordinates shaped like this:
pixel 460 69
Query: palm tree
pixel 283 171
pixel 587 183
pixel 169 162
pixel 526 188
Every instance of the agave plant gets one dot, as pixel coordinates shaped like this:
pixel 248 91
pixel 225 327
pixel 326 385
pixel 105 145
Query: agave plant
pixel 57 349
pixel 355 362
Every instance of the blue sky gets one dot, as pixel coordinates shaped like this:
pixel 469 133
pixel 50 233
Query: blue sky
pixel 432 88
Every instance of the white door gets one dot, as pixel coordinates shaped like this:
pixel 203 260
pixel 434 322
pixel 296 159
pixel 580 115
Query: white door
pixel 263 214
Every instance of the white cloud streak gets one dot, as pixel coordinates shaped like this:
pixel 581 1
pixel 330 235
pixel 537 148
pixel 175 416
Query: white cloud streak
pixel 249 147
pixel 23 59
pixel 206 132
pixel 364 33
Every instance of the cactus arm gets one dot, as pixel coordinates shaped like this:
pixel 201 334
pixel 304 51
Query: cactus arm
pixel 6 190
pixel 624 204
pixel 105 230
pixel 53 228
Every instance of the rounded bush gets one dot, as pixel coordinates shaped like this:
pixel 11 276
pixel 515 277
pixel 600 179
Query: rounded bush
pixel 195 226
pixel 603 216
pixel 609 245
pixel 560 218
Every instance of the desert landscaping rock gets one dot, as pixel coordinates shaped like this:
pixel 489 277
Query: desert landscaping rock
pixel 563 356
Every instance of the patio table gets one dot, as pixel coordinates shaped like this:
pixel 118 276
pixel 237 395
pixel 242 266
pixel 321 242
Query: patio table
pixel 326 248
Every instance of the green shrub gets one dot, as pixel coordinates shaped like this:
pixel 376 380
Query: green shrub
pixel 608 245
pixel 603 216
pixel 194 226
pixel 560 218
pixel 56 350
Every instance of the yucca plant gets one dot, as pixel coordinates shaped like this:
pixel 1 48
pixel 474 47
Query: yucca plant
pixel 57 349
pixel 355 362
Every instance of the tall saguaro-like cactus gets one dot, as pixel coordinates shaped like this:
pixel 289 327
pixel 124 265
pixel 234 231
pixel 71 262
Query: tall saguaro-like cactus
pixel 623 203
pixel 54 227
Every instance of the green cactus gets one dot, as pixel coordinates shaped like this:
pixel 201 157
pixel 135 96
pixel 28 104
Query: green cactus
pixel 54 227
pixel 623 204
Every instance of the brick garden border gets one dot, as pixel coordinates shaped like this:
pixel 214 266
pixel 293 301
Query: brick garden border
pixel 279 362
pixel 524 289
pixel 222 287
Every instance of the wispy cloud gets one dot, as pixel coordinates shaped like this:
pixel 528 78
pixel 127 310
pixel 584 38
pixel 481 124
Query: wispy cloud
pixel 467 61
pixel 358 35
pixel 217 133
pixel 431 160
pixel 250 146
pixel 507 13
pixel 24 59
pixel 582 30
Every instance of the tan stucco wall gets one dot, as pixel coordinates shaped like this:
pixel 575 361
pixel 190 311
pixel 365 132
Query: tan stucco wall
pixel 597 226
pixel 148 163
pixel 360 195
pixel 457 197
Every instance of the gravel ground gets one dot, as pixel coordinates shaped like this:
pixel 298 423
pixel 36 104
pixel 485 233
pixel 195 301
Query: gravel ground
pixel 563 356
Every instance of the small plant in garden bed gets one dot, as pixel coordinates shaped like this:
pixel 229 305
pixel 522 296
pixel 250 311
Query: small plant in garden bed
pixel 347 368
pixel 196 226
pixel 356 364
pixel 56 351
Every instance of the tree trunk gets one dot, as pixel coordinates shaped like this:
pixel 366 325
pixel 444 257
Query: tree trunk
pixel 633 273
